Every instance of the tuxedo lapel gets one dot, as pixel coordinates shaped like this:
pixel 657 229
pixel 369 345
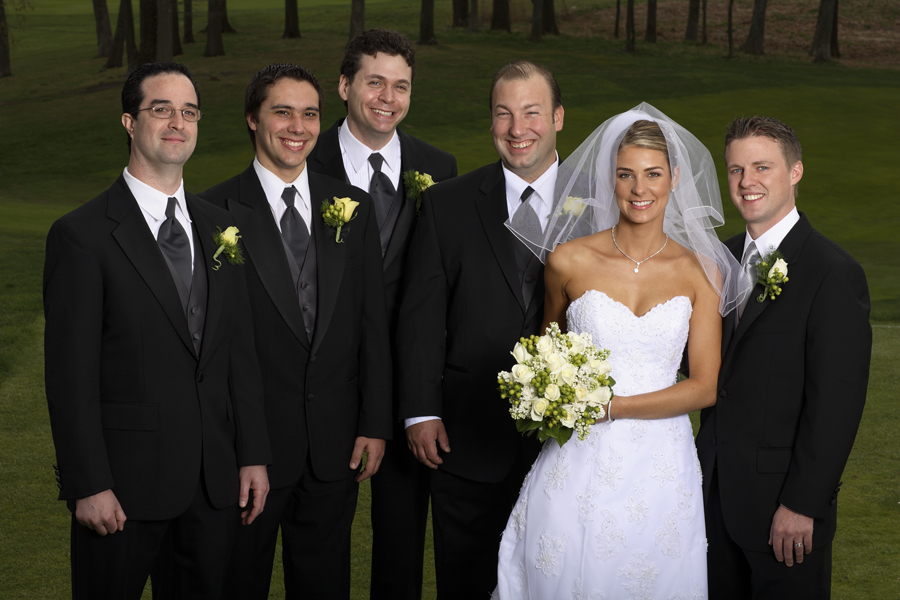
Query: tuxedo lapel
pixel 491 208
pixel 326 155
pixel 262 240
pixel 133 236
pixel 409 161
pixel 215 294
pixel 330 258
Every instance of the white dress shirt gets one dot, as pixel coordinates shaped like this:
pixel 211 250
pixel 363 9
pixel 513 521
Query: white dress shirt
pixel 273 187
pixel 153 205
pixel 772 238
pixel 355 155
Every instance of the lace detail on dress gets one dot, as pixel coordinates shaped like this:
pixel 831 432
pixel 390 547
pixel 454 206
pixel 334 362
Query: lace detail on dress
pixel 518 517
pixel 578 593
pixel 638 510
pixel 641 574
pixel 664 466
pixel 668 538
pixel 686 502
pixel 609 471
pixel 548 558
pixel 556 477
pixel 587 503
pixel 610 537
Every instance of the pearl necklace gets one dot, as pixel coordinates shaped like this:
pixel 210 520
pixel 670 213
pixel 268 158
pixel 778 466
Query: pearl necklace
pixel 637 263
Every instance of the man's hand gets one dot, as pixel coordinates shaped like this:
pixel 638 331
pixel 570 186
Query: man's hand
pixel 375 450
pixel 421 439
pixel 788 530
pixel 256 478
pixel 101 512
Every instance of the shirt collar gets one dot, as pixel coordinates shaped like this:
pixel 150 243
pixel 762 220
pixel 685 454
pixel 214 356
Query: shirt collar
pixel 359 153
pixel 544 186
pixel 775 234
pixel 273 186
pixel 154 202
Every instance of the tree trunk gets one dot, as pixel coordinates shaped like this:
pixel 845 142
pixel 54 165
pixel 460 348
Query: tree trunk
pixel 357 17
pixel 537 18
pixel 124 40
pixel 500 16
pixel 835 50
pixel 214 44
pixel 756 39
pixel 629 27
pixel 226 26
pixel 704 22
pixel 550 27
pixel 165 46
pixel 291 20
pixel 188 22
pixel 690 34
pixel 5 66
pixel 147 53
pixel 426 24
pixel 473 16
pixel 104 32
pixel 618 14
pixel 650 36
pixel 460 13
pixel 730 28
pixel 177 50
pixel 825 31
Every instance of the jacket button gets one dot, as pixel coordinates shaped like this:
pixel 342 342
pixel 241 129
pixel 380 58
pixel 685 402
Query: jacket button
pixel 196 336
pixel 303 285
pixel 723 394
pixel 529 279
pixel 194 310
pixel 306 308
pixel 310 396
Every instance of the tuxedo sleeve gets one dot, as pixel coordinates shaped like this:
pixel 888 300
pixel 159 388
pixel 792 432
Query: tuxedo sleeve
pixel 375 347
pixel 73 310
pixel 838 352
pixel 421 332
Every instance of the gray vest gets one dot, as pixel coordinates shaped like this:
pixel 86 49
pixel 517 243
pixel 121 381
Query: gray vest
pixel 194 300
pixel 305 282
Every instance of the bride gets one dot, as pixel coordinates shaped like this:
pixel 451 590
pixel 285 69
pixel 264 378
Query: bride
pixel 620 514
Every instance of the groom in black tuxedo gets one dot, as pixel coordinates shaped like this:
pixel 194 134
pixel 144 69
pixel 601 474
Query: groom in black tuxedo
pixel 322 338
pixel 469 295
pixel 152 382
pixel 791 388
pixel 376 80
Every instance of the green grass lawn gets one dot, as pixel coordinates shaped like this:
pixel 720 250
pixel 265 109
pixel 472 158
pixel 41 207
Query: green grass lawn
pixel 62 144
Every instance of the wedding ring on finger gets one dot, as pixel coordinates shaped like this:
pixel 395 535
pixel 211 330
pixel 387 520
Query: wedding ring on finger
pixel 798 544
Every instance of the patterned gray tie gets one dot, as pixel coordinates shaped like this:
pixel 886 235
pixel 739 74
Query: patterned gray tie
pixel 381 189
pixel 293 228
pixel 173 241
pixel 748 265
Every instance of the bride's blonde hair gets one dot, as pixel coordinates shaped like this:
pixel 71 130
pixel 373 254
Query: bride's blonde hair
pixel 645 134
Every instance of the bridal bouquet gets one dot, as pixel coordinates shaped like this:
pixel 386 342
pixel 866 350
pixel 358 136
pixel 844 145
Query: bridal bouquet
pixel 560 384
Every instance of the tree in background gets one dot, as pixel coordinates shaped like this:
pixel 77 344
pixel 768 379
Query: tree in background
pixel 148 16
pixel 825 42
pixel 104 32
pixel 291 20
pixel 618 14
pixel 176 38
pixel 188 22
pixel 537 18
pixel 500 20
pixel 426 24
pixel 690 34
pixel 5 65
pixel 704 22
pixel 756 39
pixel 214 43
pixel 165 44
pixel 124 39
pixel 473 16
pixel 629 27
pixel 549 24
pixel 460 13
pixel 730 28
pixel 357 17
pixel 226 25
pixel 650 35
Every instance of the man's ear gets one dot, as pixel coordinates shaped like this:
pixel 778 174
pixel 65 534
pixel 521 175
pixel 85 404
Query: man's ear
pixel 343 87
pixel 558 115
pixel 128 123
pixel 251 122
pixel 796 173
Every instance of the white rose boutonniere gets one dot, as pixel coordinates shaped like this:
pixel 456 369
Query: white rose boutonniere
pixel 338 213
pixel 416 183
pixel 771 273
pixel 573 206
pixel 227 243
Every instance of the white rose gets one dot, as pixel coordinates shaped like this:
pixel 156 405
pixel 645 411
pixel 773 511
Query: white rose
pixel 567 419
pixel 538 407
pixel 551 392
pixel 567 374
pixel 230 235
pixel 599 397
pixel 580 394
pixel 544 345
pixel 601 367
pixel 781 266
pixel 555 363
pixel 520 353
pixel 577 342
pixel 522 374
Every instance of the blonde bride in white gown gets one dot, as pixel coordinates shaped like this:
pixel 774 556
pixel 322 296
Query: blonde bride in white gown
pixel 620 514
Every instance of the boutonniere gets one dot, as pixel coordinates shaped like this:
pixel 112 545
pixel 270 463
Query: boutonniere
pixel 227 243
pixel 572 207
pixel 416 183
pixel 771 273
pixel 338 213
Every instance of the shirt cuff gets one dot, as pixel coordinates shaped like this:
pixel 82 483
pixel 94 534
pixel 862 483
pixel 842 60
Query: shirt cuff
pixel 408 422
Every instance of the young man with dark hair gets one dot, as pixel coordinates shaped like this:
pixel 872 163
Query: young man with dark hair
pixel 368 150
pixel 318 307
pixel 791 388
pixel 152 382
pixel 471 290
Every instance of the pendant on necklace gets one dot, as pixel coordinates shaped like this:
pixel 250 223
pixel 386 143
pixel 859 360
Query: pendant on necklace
pixel 635 269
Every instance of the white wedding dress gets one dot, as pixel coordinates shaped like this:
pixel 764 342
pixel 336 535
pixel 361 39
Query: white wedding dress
pixel 620 514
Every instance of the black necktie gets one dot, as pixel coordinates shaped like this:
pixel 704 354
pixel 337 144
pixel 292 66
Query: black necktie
pixel 173 241
pixel 381 189
pixel 293 228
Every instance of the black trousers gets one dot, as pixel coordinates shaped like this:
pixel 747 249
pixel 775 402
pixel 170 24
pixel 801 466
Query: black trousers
pixel 399 518
pixel 196 545
pixel 738 574
pixel 315 519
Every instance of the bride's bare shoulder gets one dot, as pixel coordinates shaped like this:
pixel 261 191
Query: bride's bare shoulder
pixel 572 254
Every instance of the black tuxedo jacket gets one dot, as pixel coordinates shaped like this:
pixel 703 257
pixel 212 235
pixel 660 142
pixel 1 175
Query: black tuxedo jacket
pixel 791 392
pixel 461 315
pixel 415 155
pixel 132 407
pixel 319 396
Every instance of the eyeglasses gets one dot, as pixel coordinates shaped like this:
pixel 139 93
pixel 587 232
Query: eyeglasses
pixel 162 111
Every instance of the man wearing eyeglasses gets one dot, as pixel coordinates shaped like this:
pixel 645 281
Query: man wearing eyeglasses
pixel 152 381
